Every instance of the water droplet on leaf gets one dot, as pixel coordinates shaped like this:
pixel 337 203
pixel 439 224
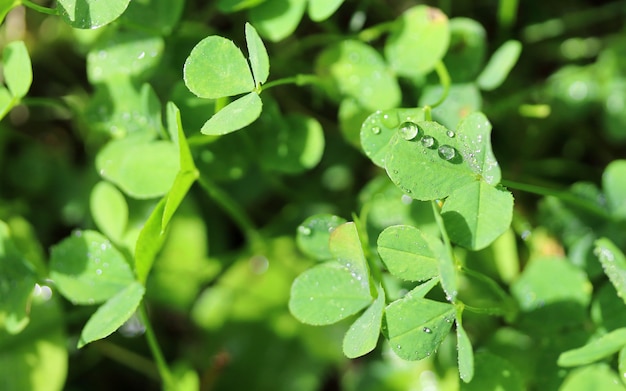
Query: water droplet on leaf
pixel 408 130
pixel 304 230
pixel 446 152
pixel 376 130
pixel 428 141
pixel 450 133
pixel 427 330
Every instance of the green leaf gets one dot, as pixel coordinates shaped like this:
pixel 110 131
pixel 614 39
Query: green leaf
pixel 595 350
pixel 422 290
pixel 234 116
pixel 149 243
pixel 493 373
pixel 259 60
pixel 132 53
pixel 416 327
pixel 158 15
pixel 6 6
pixel 448 274
pixel 229 6
pixel 462 100
pixel 468 46
pixel 465 352
pixel 216 68
pixel 614 264
pixel 621 364
pixel 409 253
pixel 345 246
pixel 593 377
pixel 36 359
pixel 17 280
pixel 474 133
pixel 7 101
pixel 18 70
pixel 614 186
pixel 140 169
pixel 277 19
pixel 499 65
pixel 355 69
pixel 109 210
pixel 90 14
pixel 188 172
pixel 87 269
pixel 380 127
pixel 418 41
pixel 313 236
pixel 320 10
pixel 327 293
pixel 112 314
pixel 362 337
pixel 476 214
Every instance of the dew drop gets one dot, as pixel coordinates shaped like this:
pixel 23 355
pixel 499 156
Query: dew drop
pixel 428 141
pixel 408 130
pixel 450 133
pixel 98 271
pixel 446 152
pixel 141 55
pixel 376 130
pixel 427 330
pixel 399 347
pixel 304 230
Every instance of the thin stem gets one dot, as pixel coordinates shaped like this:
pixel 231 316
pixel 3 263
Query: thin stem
pixel 444 79
pixel 442 229
pixel 233 209
pixel 157 354
pixel 128 358
pixel 37 7
pixel 447 264
pixel 374 32
pixel 299 80
pixel 561 195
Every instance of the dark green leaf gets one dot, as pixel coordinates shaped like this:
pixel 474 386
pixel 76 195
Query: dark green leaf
pixel 493 373
pixel 320 10
pixel 595 350
pixel 158 15
pixel 90 14
pixel 112 314
pixel 313 236
pixel 362 336
pixel 216 68
pixel 614 264
pixel 328 293
pixel 87 269
pixel 277 19
pixel 499 65
pixel 468 46
pixel 462 100
pixel 18 73
pixel 409 253
pixel 234 116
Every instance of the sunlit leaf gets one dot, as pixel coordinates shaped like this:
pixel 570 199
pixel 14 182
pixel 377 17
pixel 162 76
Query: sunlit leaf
pixel 465 352
pixel 594 350
pixel 149 243
pixel 345 247
pixel 614 264
pixel 109 210
pixel 259 60
pixel 499 65
pixel 17 68
pixel 277 19
pixel 362 337
pixel 313 236
pixel 90 14
pixel 234 116
pixel 409 253
pixel 322 9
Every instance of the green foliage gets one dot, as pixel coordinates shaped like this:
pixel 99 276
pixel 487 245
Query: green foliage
pixel 438 192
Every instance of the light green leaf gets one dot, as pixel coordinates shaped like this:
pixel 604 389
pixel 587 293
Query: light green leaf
pixel 259 60
pixel 234 116
pixel 355 69
pixel 90 14
pixel 216 68
pixel 132 53
pixel 362 337
pixel 277 19
pixel 7 101
pixel 229 6
pixel 313 236
pixel 468 46
pixel 477 214
pixel 409 253
pixel 87 269
pixel 493 373
pixel 380 127
pixel 416 327
pixel 465 352
pixel 593 377
pixel 320 10
pixel 345 246
pixel 327 293
pixel 18 70
pixel 157 15
pixel 6 6
pixel 112 314
pixel 614 264
pixel 474 133
pixel 448 274
pixel 188 172
pixel 140 169
pixel 594 350
pixel 109 210
pixel 422 290
pixel 462 100
pixel 621 364
pixel 36 359
pixel 614 186
pixel 499 65
pixel 149 243
pixel 418 41
pixel 17 280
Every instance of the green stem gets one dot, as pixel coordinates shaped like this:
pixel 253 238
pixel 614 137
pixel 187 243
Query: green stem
pixel 444 79
pixel 507 11
pixel 442 229
pixel 128 358
pixel 233 209
pixel 374 32
pixel 561 195
pixel 447 265
pixel 299 80
pixel 161 364
pixel 37 7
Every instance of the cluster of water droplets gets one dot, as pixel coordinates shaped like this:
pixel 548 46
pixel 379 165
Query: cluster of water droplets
pixel 410 131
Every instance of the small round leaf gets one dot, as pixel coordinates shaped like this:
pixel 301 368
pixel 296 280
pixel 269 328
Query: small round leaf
pixel 90 14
